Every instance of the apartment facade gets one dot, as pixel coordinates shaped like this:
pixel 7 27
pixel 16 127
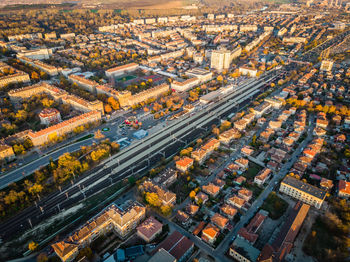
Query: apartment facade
pixel 122 219
pixel 305 192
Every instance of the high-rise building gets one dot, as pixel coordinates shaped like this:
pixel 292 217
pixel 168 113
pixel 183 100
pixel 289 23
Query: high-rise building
pixel 220 59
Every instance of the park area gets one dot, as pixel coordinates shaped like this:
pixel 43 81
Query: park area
pixel 275 205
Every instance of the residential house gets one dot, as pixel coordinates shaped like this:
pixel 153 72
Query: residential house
pixel 344 188
pixel 192 209
pixel 245 194
pixel 184 164
pixel 241 250
pixel 178 246
pixel 201 198
pixel 236 201
pixel 219 221
pixel 211 189
pixel 149 229
pixel 210 233
pixel 263 176
pixel 228 211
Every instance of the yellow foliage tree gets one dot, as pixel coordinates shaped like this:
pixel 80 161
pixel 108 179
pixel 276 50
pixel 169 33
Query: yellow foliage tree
pixel 192 194
pixel 152 199
pixel 32 246
pixel 166 210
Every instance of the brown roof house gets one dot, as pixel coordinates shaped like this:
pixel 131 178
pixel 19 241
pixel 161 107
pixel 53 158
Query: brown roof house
pixel 178 246
pixel 149 229
pixel 228 211
pixel 211 189
pixel 210 233
pixel 219 220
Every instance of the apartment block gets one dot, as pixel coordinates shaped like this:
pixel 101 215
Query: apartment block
pixel 122 219
pixel 305 192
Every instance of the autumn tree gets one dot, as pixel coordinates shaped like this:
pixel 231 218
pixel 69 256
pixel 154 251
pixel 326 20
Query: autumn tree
pixel 113 103
pixel 152 199
pixel 32 246
pixel 108 108
pixel 192 194
pixel 166 210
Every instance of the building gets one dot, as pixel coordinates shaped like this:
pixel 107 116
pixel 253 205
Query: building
pixel 81 81
pixel 149 229
pixel 344 188
pixel 49 69
pixel 236 201
pixel 220 60
pixel 202 74
pixel 66 251
pixel 184 164
pixel 249 71
pixel 165 196
pixel 303 191
pixel 219 221
pixel 211 189
pixel 241 250
pixel 228 211
pixel 16 77
pixel 201 154
pixel 6 152
pixel 295 40
pixel 162 256
pixel 326 65
pixel 227 136
pixel 49 134
pixel 49 116
pixel 185 85
pixel 122 219
pixel 178 246
pixel 126 99
pixel 261 109
pixel 166 178
pixel 59 95
pixel 210 233
pixel 250 232
pixel 39 53
pixel 263 175
pixel 283 243
pixel 121 70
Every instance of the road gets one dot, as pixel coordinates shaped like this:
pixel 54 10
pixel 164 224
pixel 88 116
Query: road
pixel 137 158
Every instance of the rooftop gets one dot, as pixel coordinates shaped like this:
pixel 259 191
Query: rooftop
pixel 305 187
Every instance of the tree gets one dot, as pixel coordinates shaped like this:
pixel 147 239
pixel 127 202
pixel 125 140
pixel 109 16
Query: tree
pixel 192 194
pixel 108 108
pixel 32 246
pixel 216 131
pixel 113 103
pixel 46 102
pixel 254 140
pixel 35 76
pixel 225 125
pixel 166 210
pixel 98 134
pixel 18 149
pixel 152 199
pixel 35 189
